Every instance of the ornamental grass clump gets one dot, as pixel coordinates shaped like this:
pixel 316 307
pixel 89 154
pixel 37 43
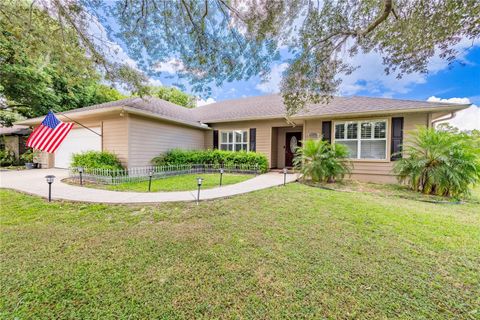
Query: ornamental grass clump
pixel 321 161
pixel 440 162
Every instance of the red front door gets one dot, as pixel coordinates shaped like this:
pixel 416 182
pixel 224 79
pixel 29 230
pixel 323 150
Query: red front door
pixel 292 141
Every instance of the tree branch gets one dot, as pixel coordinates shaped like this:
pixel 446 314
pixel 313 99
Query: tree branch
pixel 388 7
pixel 206 10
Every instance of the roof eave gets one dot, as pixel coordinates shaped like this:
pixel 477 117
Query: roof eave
pixel 455 107
pixel 132 110
pixel 383 112
pixel 139 112
pixel 80 114
pixel 244 119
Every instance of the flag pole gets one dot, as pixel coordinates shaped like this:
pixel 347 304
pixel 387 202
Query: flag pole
pixel 77 122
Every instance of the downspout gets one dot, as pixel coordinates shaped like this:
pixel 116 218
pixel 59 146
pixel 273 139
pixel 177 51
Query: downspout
pixel 450 117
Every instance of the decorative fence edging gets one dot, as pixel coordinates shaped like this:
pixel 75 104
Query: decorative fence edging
pixel 137 174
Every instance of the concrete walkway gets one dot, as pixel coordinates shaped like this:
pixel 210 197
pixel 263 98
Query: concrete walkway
pixel 33 182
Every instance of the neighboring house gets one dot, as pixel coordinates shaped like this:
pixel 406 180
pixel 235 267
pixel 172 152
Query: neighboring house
pixel 14 138
pixel 139 129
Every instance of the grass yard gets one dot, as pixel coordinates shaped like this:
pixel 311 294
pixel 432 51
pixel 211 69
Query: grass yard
pixel 285 252
pixel 186 182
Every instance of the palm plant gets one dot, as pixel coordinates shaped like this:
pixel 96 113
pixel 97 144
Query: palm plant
pixel 322 162
pixel 440 162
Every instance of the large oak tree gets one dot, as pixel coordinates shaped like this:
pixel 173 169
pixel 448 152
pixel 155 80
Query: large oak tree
pixel 214 41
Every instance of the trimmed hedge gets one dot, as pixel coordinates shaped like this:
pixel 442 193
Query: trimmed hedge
pixel 178 157
pixel 96 160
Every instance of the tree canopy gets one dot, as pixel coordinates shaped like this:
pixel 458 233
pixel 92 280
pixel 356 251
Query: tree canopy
pixel 216 41
pixel 43 67
pixel 173 95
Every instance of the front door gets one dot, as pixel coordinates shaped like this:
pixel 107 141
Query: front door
pixel 292 141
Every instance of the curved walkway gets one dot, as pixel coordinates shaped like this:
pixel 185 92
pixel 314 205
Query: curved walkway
pixel 33 182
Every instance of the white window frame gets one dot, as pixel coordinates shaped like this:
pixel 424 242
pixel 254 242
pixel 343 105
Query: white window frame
pixel 359 136
pixel 233 143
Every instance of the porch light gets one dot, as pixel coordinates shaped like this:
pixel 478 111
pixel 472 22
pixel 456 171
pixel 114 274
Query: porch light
pixel 50 178
pixel 285 171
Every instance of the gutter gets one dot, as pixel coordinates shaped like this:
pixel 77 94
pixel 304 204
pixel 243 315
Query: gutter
pixel 121 109
pixel 340 115
pixel 450 117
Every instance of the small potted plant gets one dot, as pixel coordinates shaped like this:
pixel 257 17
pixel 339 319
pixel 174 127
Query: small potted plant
pixel 28 157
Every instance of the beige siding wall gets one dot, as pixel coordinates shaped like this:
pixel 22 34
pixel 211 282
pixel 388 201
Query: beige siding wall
pixel 379 171
pixel 115 136
pixel 148 138
pixel 411 122
pixel 208 143
pixel 264 133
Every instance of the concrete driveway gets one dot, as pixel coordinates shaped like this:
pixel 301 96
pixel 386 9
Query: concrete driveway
pixel 33 182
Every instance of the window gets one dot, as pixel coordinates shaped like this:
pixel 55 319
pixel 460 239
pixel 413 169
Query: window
pixel 236 140
pixel 364 139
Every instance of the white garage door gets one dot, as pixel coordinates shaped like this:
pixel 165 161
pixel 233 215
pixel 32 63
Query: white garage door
pixel 78 140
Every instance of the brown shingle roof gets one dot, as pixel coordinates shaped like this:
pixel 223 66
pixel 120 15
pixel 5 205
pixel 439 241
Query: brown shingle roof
pixel 149 104
pixel 266 107
pixel 271 106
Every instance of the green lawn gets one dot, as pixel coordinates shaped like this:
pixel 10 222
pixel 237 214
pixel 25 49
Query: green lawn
pixel 284 252
pixel 179 183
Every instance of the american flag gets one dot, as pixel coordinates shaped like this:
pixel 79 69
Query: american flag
pixel 49 134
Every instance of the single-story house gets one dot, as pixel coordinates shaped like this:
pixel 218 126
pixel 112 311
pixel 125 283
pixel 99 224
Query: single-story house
pixel 13 138
pixel 138 129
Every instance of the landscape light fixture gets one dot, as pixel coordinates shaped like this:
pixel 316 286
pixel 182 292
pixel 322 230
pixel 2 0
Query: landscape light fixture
pixel 50 178
pixel 199 184
pixel 221 176
pixel 150 175
pixel 80 172
pixel 285 171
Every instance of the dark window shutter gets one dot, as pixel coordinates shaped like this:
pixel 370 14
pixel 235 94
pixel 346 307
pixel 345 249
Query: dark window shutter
pixel 215 139
pixel 327 131
pixel 253 139
pixel 397 138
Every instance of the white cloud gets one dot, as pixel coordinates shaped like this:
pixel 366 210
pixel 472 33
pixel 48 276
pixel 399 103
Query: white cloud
pixel 467 119
pixel 272 84
pixel 202 102
pixel 171 66
pixel 449 100
pixel 371 76
pixel 155 82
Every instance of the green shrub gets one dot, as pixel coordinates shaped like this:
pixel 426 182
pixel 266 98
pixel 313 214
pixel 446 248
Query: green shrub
pixel 179 157
pixel 29 155
pixel 440 162
pixel 7 158
pixel 321 161
pixel 96 160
